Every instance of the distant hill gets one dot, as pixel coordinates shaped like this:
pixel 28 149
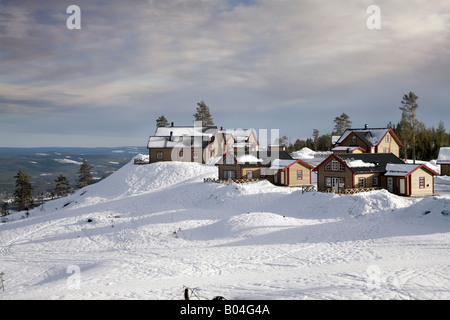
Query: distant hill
pixel 45 164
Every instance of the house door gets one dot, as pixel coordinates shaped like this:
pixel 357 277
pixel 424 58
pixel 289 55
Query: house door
pixel 335 184
pixel 390 184
pixel 282 177
pixel 249 175
pixel 402 186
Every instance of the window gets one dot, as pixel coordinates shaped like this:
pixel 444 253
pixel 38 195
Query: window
pixel 229 175
pixel 362 182
pixel 195 155
pixel 375 181
pixel 181 155
pixel 249 175
pixel 159 155
pixel 328 182
pixel 334 165
pixel 354 139
pixel 341 182
pixel 422 182
pixel 388 138
pixel 299 174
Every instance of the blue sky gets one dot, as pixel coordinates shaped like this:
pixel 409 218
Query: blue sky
pixel 290 65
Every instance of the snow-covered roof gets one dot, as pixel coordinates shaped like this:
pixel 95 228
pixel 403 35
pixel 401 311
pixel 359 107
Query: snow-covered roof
pixel 345 148
pixel 248 158
pixel 372 137
pixel 280 164
pixel 240 135
pixel 358 163
pixel 185 131
pixel 176 142
pixel 444 156
pixel 400 170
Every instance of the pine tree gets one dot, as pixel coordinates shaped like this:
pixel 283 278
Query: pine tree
pixel 62 186
pixel 203 114
pixel 23 195
pixel 84 176
pixel 341 123
pixel 162 122
pixel 4 209
pixel 409 107
pixel 316 137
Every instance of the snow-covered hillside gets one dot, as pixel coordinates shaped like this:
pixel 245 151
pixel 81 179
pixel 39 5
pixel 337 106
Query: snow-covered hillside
pixel 148 231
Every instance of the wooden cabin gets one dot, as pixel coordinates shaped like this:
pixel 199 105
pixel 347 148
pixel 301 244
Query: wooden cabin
pixel 278 167
pixel 444 161
pixel 370 140
pixel 410 179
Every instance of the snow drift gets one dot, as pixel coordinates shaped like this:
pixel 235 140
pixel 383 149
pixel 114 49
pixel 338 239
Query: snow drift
pixel 148 230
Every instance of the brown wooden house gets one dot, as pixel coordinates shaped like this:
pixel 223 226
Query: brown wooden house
pixel 369 140
pixel 278 167
pixel 347 171
pixel 185 143
pixel 444 161
pixel 354 171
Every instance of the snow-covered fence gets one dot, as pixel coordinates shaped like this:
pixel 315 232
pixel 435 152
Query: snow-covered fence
pixel 347 191
pixel 237 181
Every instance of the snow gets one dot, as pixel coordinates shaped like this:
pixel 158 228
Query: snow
pixel 280 164
pixel 400 170
pixel 156 228
pixel 68 161
pixel 248 158
pixel 444 156
pixel 359 164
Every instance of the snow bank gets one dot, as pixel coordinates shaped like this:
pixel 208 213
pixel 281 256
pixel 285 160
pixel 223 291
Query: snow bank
pixel 148 230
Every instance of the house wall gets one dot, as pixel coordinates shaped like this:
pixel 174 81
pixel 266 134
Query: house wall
pixel 445 169
pixel 414 183
pixel 389 145
pixel 347 174
pixel 170 154
pixel 345 151
pixel 349 142
pixel 369 180
pixel 292 176
pixel 227 167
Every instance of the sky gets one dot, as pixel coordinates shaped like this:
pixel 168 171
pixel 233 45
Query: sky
pixel 290 65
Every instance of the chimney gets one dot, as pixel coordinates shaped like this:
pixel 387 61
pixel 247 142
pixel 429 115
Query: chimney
pixel 171 133
pixel 348 150
pixel 171 124
pixel 366 126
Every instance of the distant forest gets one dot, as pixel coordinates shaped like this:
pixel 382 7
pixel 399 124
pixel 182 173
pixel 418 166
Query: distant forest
pixel 428 140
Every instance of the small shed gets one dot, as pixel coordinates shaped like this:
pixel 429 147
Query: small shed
pixel 444 161
pixel 410 179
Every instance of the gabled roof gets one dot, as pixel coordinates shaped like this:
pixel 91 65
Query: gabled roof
pixel 347 148
pixel 444 156
pixel 279 164
pixel 404 170
pixel 180 131
pixel 177 142
pixel 370 136
pixel 257 158
pixel 364 162
pixel 182 137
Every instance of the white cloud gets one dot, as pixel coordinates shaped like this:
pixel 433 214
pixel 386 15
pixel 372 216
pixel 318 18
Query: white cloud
pixel 147 55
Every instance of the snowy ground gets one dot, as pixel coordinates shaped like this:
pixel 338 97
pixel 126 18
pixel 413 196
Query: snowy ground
pixel 158 228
